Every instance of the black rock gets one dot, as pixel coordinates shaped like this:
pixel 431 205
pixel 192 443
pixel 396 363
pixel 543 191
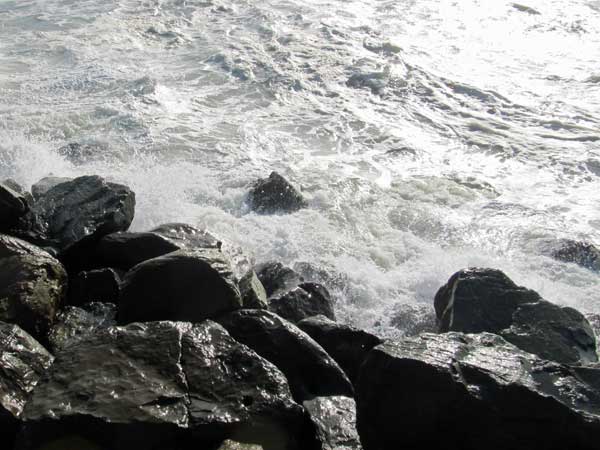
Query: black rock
pixel 276 278
pixel 274 195
pixel 333 420
pixel 347 345
pixel 23 362
pixel 310 371
pixel 32 286
pixel 182 285
pixel 583 254
pixel 478 300
pixel 100 285
pixel 473 392
pixel 159 385
pixel 45 184
pixel 413 319
pixel 253 292
pixel 13 205
pixel 307 300
pixel 73 323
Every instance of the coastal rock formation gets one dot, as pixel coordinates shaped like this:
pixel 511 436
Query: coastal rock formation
pixel 45 184
pixel 478 300
pixel 473 392
pixel 275 195
pixel 310 371
pixel 334 422
pixel 277 278
pixel 583 254
pixel 253 292
pixel 306 300
pixel 13 205
pixel 100 285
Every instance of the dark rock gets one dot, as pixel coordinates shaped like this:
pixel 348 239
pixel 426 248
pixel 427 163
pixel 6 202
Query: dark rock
pixel 32 286
pixel 413 319
pixel 334 422
pixel 274 195
pixel 23 361
pixel 307 300
pixel 100 285
pixel 45 184
pixel 182 285
pixel 310 371
pixel 158 386
pixel 347 345
pixel 473 392
pixel 13 205
pixel 73 323
pixel 253 292
pixel 478 300
pixel 583 254
pixel 276 278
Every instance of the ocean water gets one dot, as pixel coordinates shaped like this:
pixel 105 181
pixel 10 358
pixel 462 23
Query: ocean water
pixel 427 136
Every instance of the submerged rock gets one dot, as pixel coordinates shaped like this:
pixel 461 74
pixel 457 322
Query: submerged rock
pixel 334 422
pixel 253 292
pixel 13 205
pixel 307 300
pixel 277 278
pixel 310 371
pixel 32 286
pixel 478 300
pixel 23 361
pixel 182 285
pixel 583 254
pixel 349 346
pixel 275 195
pixel 473 392
pixel 45 184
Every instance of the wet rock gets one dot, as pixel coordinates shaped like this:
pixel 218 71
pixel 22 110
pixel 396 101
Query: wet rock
pixel 23 361
pixel 253 292
pixel 310 371
pixel 478 300
pixel 13 205
pixel 276 278
pixel 73 323
pixel 79 153
pixel 182 285
pixel 274 195
pixel 45 184
pixel 594 321
pixel 234 445
pixel 334 422
pixel 472 392
pixel 158 386
pixel 347 345
pixel 32 286
pixel 307 300
pixel 100 285
pixel 12 184
pixel 413 319
pixel 583 254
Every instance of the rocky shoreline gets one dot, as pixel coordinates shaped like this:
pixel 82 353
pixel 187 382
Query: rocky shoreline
pixel 171 339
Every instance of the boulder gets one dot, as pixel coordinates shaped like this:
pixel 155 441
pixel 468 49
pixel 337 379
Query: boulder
pixel 275 195
pixel 347 345
pixel 478 300
pixel 23 362
pixel 182 285
pixel 160 385
pixel 32 286
pixel 276 278
pixel 13 205
pixel 253 292
pixel 73 323
pixel 45 184
pixel 583 254
pixel 100 285
pixel 473 392
pixel 333 420
pixel 310 371
pixel 412 319
pixel 307 300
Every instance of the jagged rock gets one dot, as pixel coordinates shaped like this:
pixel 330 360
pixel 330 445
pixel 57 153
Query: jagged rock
pixel 187 237
pixel 13 205
pixel 310 371
pixel 478 300
pixel 45 184
pixel 583 254
pixel 334 422
pixel 307 300
pixel 94 286
pixel 158 386
pixel 413 319
pixel 182 285
pixel 253 292
pixel 274 195
pixel 276 278
pixel 473 392
pixel 347 345
pixel 32 286
pixel 73 323
pixel 23 361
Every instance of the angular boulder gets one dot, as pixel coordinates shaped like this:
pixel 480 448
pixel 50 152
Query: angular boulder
pixel 33 286
pixel 275 195
pixel 473 392
pixel 253 292
pixel 310 371
pixel 45 184
pixel 13 205
pixel 182 285
pixel 333 420
pixel 277 278
pixel 100 285
pixel 23 362
pixel 347 345
pixel 306 300
pixel 478 300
